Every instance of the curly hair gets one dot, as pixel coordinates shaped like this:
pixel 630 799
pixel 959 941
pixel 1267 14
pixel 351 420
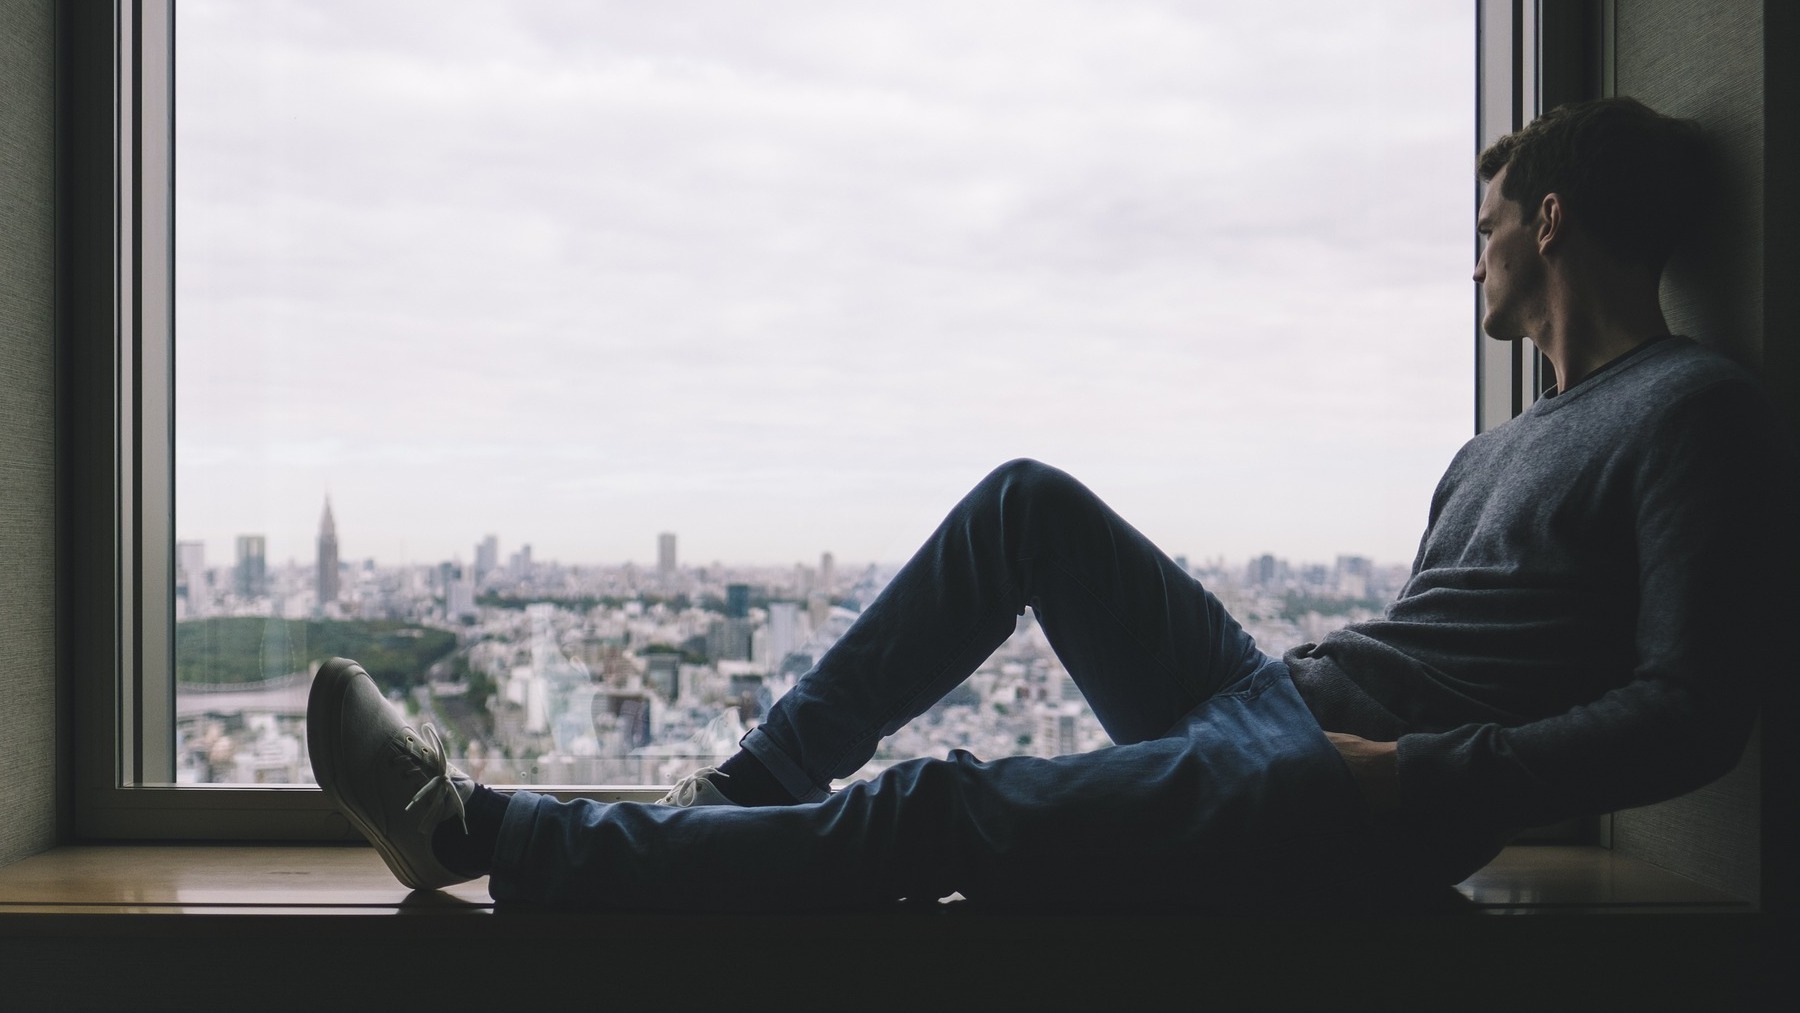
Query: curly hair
pixel 1633 178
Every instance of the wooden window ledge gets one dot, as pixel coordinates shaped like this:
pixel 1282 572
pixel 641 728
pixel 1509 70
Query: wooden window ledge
pixel 131 879
pixel 293 927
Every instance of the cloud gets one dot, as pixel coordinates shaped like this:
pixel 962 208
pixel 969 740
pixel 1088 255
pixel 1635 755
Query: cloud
pixel 498 267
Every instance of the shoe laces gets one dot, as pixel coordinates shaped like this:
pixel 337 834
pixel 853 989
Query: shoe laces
pixel 688 788
pixel 424 751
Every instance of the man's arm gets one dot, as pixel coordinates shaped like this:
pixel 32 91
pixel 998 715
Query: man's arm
pixel 1642 743
pixel 1716 554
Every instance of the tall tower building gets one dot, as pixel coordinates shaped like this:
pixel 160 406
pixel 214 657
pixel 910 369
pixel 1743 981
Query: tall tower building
pixel 665 555
pixel 252 566
pixel 487 557
pixel 827 572
pixel 1058 730
pixel 1264 570
pixel 328 557
pixel 459 590
pixel 190 578
pixel 737 601
pixel 784 631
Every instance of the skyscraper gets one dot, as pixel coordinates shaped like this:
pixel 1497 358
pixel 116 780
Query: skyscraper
pixel 1058 729
pixel 487 557
pixel 328 557
pixel 1264 570
pixel 827 572
pixel 730 640
pixel 252 566
pixel 459 590
pixel 665 555
pixel 1352 576
pixel 784 631
pixel 190 578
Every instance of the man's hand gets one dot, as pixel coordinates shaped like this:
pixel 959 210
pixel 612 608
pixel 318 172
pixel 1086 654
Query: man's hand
pixel 1374 765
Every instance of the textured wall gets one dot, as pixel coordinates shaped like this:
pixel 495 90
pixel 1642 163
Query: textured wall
pixel 1704 59
pixel 27 573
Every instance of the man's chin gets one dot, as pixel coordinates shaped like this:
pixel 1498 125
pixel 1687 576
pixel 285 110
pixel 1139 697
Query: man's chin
pixel 1499 333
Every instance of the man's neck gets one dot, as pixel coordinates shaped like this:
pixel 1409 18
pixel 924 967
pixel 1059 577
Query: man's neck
pixel 1582 334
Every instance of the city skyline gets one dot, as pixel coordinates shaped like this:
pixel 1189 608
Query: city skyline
pixel 538 671
pixel 621 675
pixel 484 557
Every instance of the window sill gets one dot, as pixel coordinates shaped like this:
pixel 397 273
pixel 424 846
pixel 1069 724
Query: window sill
pixel 300 927
pixel 134 880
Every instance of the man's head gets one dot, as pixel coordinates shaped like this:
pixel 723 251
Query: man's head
pixel 1630 178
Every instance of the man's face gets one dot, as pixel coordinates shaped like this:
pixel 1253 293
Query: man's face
pixel 1509 269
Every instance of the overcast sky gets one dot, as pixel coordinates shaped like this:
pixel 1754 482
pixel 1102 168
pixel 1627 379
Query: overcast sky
pixel 784 277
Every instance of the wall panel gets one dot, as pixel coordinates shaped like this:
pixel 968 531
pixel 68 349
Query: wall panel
pixel 27 435
pixel 1704 59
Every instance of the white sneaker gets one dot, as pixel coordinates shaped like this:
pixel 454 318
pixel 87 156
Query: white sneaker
pixel 393 784
pixel 696 789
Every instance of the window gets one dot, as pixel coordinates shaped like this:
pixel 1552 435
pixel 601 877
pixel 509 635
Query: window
pixel 1086 168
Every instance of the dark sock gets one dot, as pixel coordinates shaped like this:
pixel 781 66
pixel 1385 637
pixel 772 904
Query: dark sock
pixel 748 783
pixel 472 854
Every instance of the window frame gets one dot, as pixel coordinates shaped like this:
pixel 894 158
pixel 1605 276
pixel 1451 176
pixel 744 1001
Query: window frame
pixel 116 393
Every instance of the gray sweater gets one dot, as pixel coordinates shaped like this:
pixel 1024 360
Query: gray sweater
pixel 1602 588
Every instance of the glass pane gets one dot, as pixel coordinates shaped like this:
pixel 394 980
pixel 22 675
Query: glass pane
pixel 583 368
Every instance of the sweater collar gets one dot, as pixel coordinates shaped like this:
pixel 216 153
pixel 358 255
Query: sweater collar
pixel 1554 397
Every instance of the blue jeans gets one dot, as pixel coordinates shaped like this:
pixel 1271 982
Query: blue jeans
pixel 1221 792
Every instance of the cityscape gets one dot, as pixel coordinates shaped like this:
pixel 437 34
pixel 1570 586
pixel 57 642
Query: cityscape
pixel 537 672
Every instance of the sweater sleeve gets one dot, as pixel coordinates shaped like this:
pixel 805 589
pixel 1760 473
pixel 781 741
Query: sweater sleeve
pixel 1714 507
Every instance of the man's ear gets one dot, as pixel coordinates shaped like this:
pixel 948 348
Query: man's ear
pixel 1552 223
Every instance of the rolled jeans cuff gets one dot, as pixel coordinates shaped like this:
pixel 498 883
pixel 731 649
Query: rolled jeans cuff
pixel 758 744
pixel 516 828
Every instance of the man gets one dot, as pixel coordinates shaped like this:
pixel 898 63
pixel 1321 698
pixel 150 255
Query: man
pixel 1585 628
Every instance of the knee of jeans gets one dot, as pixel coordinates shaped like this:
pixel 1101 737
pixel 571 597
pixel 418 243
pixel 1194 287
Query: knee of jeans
pixel 1019 469
pixel 1032 480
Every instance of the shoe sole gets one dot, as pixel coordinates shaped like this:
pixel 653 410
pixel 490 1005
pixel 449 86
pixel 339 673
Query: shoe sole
pixel 324 725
